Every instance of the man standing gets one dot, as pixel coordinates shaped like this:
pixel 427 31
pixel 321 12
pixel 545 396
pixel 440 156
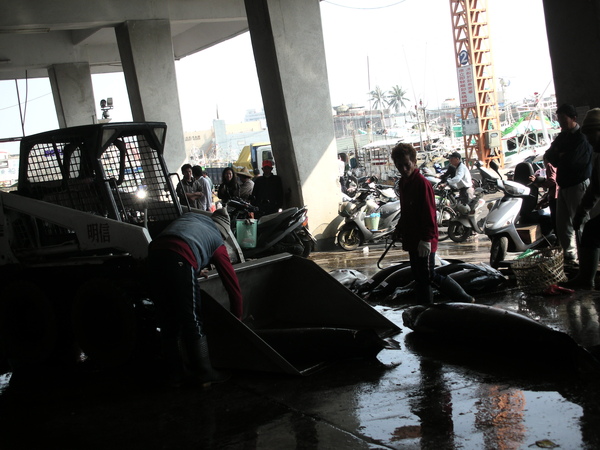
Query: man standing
pixel 461 179
pixel 571 154
pixel 199 172
pixel 189 190
pixel 177 258
pixel 589 250
pixel 417 228
pixel 206 202
pixel 268 190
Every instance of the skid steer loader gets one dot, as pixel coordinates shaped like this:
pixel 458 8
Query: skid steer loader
pixel 73 246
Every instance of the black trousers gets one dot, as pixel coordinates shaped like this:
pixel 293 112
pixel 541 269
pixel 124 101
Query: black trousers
pixel 176 293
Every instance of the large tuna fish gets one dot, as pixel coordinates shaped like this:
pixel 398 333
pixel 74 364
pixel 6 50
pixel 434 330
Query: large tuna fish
pixel 497 331
pixel 350 278
pixel 383 283
pixel 473 278
pixel 380 276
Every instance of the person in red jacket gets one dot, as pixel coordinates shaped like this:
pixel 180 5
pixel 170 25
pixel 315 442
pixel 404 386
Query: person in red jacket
pixel 177 257
pixel 417 228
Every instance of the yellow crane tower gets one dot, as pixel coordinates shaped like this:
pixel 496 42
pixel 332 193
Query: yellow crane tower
pixel 476 81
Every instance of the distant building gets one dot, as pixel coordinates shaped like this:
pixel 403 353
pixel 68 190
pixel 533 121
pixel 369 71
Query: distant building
pixel 450 103
pixel 9 169
pixel 253 115
pixel 223 143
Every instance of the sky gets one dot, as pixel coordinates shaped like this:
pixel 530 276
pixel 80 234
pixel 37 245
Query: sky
pixel 389 42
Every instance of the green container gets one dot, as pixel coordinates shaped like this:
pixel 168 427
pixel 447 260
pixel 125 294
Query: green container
pixel 246 233
pixel 375 221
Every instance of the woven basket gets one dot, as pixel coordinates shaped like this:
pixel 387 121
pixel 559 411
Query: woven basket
pixel 539 270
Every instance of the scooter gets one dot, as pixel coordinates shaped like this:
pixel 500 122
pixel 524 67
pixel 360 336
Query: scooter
pixel 284 231
pixel 516 211
pixel 469 218
pixel 355 231
pixel 489 181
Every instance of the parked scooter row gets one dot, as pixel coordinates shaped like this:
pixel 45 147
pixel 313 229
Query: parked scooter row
pixel 371 216
pixel 285 231
pixel 470 217
pixel 518 208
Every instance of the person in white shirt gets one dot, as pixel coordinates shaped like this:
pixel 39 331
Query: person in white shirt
pixel 461 179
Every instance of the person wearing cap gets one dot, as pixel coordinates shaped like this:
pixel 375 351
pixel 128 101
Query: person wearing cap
pixel 268 190
pixel 245 182
pixel 418 231
pixel 229 187
pixel 177 257
pixel 571 154
pixel 589 248
pixel 461 179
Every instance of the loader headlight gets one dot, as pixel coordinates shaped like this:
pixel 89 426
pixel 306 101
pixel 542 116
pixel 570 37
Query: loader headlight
pixel 142 192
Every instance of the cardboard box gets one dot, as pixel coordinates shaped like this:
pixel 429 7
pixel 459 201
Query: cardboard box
pixel 530 233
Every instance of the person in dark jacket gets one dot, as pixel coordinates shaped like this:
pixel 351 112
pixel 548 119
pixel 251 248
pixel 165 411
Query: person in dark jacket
pixel 417 228
pixel 177 257
pixel 589 251
pixel 571 154
pixel 229 187
pixel 268 190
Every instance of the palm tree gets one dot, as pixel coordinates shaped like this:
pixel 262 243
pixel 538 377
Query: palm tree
pixel 396 98
pixel 379 102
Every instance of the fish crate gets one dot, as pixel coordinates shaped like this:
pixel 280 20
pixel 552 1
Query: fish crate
pixel 539 270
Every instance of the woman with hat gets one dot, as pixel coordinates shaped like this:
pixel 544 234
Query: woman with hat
pixel 228 188
pixel 245 183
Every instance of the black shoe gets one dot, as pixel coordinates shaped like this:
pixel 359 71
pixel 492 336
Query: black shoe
pixel 199 360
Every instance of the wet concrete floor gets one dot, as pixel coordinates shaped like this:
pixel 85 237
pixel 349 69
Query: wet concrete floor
pixel 427 395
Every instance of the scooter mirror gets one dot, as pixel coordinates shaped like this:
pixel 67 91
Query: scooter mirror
pixel 495 168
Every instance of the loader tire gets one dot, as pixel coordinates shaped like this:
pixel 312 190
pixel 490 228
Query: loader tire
pixel 28 330
pixel 104 322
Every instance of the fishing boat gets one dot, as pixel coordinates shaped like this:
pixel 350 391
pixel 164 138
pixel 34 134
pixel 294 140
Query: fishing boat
pixel 530 135
pixel 375 158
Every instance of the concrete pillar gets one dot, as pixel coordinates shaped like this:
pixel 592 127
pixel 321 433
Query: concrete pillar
pixel 73 94
pixel 574 43
pixel 287 41
pixel 146 52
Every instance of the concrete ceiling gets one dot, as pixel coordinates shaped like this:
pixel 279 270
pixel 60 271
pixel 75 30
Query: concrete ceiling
pixel 35 34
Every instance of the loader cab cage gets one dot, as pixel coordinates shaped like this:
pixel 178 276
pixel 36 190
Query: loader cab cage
pixel 112 170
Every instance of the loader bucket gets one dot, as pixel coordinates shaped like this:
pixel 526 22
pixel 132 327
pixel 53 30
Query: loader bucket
pixel 297 318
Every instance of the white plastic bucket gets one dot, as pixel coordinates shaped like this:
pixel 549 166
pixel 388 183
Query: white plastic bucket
pixel 374 221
